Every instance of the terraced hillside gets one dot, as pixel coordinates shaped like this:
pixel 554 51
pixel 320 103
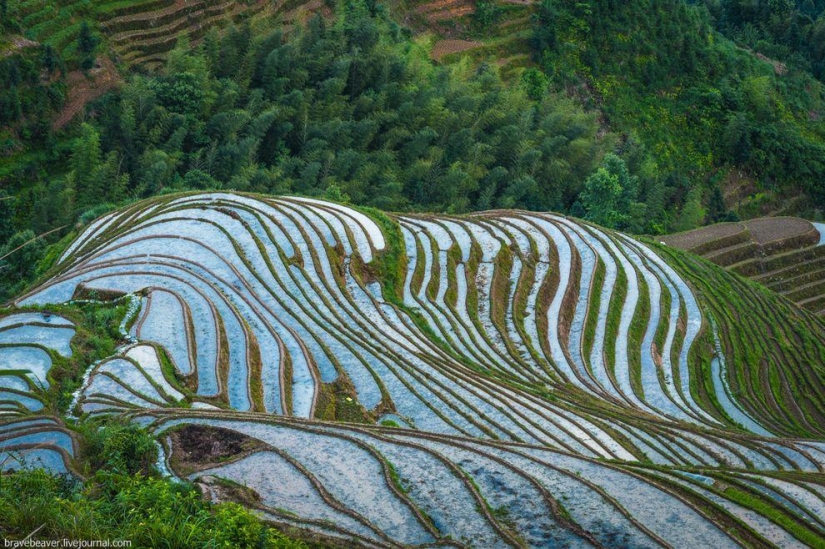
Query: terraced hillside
pixel 783 253
pixel 136 32
pixel 501 379
pixel 141 32
pixel 142 36
pixel 27 341
pixel 499 31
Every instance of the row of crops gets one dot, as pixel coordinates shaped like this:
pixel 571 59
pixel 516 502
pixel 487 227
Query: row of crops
pixel 139 32
pixel 142 32
pixel 784 254
pixel 520 378
pixel 27 343
pixel 399 487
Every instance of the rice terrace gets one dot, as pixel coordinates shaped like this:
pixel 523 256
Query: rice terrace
pixel 428 274
pixel 501 379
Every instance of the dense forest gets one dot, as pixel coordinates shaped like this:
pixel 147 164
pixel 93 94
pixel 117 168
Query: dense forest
pixel 692 105
pixel 793 32
pixel 350 109
pixel 642 117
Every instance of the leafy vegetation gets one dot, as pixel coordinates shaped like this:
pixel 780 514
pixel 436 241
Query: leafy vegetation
pixel 789 31
pixel 349 109
pixel 125 499
pixel 31 92
pixel 693 106
pixel 634 117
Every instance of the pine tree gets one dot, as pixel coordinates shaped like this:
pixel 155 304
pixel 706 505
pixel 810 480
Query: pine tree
pixel 717 210
pixel 86 45
pixel 50 59
pixel 85 161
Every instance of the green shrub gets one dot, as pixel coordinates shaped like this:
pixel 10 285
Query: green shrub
pixel 122 448
pixel 123 498
pixel 150 512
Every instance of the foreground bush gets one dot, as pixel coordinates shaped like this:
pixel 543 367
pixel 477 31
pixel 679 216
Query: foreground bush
pixel 118 503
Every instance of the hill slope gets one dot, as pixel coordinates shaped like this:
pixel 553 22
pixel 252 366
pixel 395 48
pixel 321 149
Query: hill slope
pixel 703 124
pixel 511 373
pixel 782 253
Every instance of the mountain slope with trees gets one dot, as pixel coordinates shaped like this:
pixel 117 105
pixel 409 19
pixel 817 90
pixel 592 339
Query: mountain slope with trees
pixel 700 114
pixel 697 128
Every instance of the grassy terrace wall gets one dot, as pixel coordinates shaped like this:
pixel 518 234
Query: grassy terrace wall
pixel 776 355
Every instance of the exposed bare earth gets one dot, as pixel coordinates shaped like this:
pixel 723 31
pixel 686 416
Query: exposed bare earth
pixel 446 47
pixel 691 240
pixel 781 253
pixel 769 230
pixel 83 89
pixel 198 447
pixel 759 231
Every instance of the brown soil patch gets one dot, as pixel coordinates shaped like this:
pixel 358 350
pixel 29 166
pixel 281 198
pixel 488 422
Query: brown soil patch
pixel 303 13
pixel 154 14
pixel 440 5
pixel 771 250
pixel 454 13
pixel 445 10
pixel 738 185
pixel 777 228
pixel 82 89
pixel 199 447
pixel 698 237
pixel 447 47
pixel 758 231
